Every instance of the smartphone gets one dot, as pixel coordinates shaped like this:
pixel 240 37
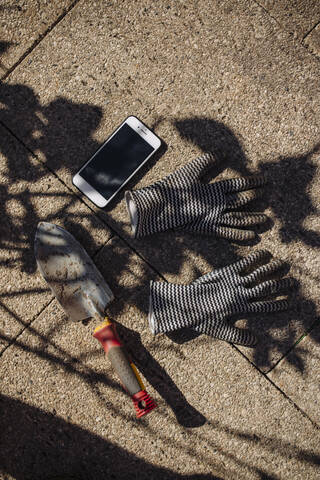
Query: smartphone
pixel 116 161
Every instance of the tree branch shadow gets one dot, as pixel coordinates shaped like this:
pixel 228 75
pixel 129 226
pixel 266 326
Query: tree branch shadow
pixel 62 134
pixel 287 193
pixel 42 445
pixel 58 132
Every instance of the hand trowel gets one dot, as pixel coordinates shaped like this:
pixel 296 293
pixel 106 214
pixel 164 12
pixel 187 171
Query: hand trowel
pixel 83 293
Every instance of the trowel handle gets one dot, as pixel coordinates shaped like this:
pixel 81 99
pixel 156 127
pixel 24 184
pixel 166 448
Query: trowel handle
pixel 127 372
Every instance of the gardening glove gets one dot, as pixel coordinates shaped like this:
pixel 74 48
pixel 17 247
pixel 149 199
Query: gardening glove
pixel 205 304
pixel 181 200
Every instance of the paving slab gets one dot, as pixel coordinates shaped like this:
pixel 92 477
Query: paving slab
pixel 23 24
pixel 302 365
pixel 29 193
pixel 297 17
pixel 255 101
pixel 217 416
pixel 205 82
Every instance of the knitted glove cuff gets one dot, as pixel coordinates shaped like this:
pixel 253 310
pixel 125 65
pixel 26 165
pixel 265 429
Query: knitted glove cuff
pixel 148 211
pixel 160 316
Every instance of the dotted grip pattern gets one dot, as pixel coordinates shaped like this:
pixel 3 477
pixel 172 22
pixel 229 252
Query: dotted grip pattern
pixel 121 365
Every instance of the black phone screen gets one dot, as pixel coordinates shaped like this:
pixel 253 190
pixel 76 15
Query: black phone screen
pixel 116 161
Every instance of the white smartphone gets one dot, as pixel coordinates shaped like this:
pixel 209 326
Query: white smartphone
pixel 116 161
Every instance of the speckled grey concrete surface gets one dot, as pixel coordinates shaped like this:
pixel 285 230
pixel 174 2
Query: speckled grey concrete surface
pixel 78 421
pixel 302 365
pixel 29 193
pixel 258 82
pixel 312 41
pixel 23 24
pixel 226 77
pixel 252 94
pixel 298 17
pixel 258 86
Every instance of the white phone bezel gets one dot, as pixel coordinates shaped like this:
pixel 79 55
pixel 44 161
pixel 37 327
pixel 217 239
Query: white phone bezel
pixel 88 190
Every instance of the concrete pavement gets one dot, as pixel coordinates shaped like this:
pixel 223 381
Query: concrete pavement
pixel 239 78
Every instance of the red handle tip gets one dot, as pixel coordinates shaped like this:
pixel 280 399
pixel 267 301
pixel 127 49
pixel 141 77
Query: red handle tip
pixel 143 403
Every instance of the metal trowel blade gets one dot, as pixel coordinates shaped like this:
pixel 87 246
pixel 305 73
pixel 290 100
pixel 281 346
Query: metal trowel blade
pixel 71 274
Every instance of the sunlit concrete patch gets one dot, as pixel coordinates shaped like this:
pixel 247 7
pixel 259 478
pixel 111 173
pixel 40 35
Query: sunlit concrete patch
pixel 119 66
pixel 302 365
pixel 224 78
pixel 8 319
pixel 23 24
pixel 29 194
pixel 298 17
pixel 312 41
pixel 57 379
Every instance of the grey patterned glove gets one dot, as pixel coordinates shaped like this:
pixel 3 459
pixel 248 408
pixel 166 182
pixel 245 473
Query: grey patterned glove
pixel 181 200
pixel 206 304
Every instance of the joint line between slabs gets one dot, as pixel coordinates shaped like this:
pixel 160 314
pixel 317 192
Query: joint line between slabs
pixel 302 412
pixel 304 335
pixel 13 340
pixel 268 13
pixel 18 139
pixel 114 232
pixel 311 30
pixel 38 40
pixel 302 41
pixel 44 164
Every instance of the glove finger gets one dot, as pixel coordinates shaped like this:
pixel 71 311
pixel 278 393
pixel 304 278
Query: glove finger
pixel 242 183
pixel 262 272
pixel 226 332
pixel 196 168
pixel 243 219
pixel 235 200
pixel 267 306
pixel 235 268
pixel 234 233
pixel 270 287
pixel 251 259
